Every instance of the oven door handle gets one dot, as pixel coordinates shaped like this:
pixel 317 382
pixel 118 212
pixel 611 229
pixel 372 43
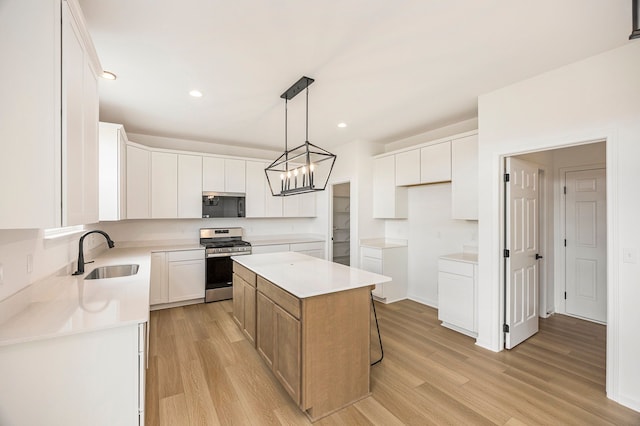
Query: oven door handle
pixel 240 253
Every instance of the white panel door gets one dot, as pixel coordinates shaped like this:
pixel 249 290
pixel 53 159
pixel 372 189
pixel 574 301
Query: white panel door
pixel 189 186
pixel 521 296
pixel 586 252
pixel 164 185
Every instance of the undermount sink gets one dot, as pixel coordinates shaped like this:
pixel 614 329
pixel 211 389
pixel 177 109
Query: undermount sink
pixel 112 271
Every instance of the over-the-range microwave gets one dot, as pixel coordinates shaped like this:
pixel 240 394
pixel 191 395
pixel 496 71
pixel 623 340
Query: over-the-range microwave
pixel 223 204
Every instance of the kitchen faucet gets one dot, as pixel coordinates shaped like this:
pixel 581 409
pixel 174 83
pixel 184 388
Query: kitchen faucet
pixel 81 262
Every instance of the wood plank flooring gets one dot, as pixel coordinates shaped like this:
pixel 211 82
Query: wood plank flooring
pixel 202 371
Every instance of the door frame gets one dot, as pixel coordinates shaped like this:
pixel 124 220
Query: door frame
pixel 560 275
pixel 329 250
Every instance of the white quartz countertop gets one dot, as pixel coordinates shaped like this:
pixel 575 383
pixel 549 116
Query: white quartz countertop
pixel 382 243
pixel 462 257
pixel 65 305
pixel 305 276
pixel 268 240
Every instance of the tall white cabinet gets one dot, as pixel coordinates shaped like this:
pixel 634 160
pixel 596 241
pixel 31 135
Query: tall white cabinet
pixel 138 182
pixel 52 71
pixel 112 178
pixel 464 178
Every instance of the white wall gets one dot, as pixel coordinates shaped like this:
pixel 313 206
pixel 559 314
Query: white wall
pixel 49 256
pixel 593 99
pixel 430 233
pixel 442 132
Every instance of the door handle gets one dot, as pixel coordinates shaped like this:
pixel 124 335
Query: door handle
pixel 538 256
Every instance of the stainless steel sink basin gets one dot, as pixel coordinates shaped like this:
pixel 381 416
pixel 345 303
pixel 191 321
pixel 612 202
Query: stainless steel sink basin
pixel 112 271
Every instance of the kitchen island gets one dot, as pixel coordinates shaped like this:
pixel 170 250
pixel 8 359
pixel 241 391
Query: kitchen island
pixel 309 319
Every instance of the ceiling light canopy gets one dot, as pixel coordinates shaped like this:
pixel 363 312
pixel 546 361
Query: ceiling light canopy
pixel 342 125
pixel 196 93
pixel 305 168
pixel 108 75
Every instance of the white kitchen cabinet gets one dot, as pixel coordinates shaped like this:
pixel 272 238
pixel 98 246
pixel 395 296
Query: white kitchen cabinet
pixel 177 278
pixel 300 205
pixel 408 168
pixel 457 295
pixel 93 378
pixel 112 177
pixel 138 182
pixel 186 274
pixel 390 260
pixel 315 248
pixel 223 175
pixel 435 163
pixel 48 158
pixel 464 178
pixel 159 282
pixel 189 186
pixel 256 189
pixel 164 185
pixel 389 200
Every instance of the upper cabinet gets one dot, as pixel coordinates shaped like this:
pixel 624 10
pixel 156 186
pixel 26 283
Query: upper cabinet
pixel 408 168
pixel 112 166
pixel 49 107
pixel 435 163
pixel 389 200
pixel 223 175
pixel 164 185
pixel 464 178
pixel 138 182
pixel 189 186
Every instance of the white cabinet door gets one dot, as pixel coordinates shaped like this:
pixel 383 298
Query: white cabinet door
pixel 213 174
pixel 435 163
pixel 164 185
pixel 159 283
pixel 274 206
pixel 189 186
pixel 256 189
pixel 73 65
pixel 374 265
pixel 389 201
pixel 138 186
pixel 456 300
pixel 234 171
pixel 464 178
pixel 186 280
pixel 112 150
pixel 408 168
pixel 90 137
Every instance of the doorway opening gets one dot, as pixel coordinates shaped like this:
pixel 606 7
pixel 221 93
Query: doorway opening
pixel 341 223
pixel 555 238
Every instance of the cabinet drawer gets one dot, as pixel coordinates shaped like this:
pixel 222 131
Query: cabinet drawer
pixel 453 267
pixel 244 273
pixel 286 301
pixel 176 256
pixel 371 252
pixel 307 246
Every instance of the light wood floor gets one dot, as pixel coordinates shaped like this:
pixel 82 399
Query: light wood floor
pixel 202 371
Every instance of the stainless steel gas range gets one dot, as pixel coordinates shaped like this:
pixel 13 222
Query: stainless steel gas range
pixel 220 244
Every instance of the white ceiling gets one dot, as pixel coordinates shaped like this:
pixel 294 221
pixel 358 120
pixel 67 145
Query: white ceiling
pixel 390 69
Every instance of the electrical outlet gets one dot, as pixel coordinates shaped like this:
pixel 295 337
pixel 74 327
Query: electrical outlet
pixel 1 274
pixel 29 263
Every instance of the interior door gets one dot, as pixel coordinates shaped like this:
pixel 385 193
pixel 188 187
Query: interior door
pixel 586 242
pixel 521 280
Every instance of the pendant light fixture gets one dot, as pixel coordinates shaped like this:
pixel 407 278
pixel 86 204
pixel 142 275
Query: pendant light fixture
pixel 305 168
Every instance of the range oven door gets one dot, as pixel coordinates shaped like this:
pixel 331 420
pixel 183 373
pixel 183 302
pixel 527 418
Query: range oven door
pixel 219 277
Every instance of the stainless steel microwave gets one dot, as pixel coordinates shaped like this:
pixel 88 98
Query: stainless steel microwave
pixel 223 204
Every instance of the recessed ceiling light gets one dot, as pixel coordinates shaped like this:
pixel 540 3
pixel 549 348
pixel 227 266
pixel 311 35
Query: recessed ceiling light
pixel 196 93
pixel 108 75
pixel 342 125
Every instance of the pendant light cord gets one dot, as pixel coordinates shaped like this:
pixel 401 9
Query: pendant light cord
pixel 286 147
pixel 306 133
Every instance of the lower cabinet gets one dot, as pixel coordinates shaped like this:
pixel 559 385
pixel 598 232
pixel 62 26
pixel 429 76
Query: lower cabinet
pixel 177 276
pixel 457 292
pixel 244 301
pixel 389 261
pixel 315 249
pixel 93 378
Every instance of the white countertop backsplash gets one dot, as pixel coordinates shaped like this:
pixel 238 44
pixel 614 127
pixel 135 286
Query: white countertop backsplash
pixel 65 304
pixel 305 276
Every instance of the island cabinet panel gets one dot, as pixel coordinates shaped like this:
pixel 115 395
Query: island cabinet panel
pixel 265 336
pixel 286 365
pixel 244 301
pixel 287 301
